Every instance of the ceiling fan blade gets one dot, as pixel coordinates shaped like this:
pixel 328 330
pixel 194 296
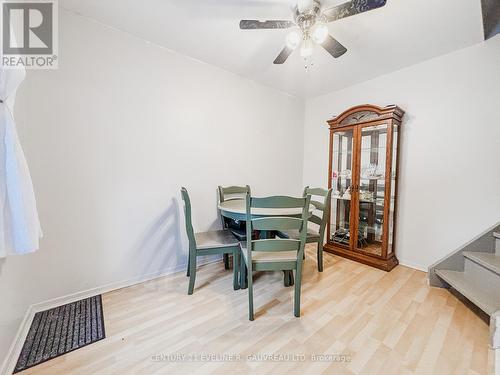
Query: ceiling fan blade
pixel 284 54
pixel 333 47
pixel 352 8
pixel 274 24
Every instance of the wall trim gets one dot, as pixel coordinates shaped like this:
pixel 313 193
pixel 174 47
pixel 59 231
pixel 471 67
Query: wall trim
pixel 10 360
pixel 415 266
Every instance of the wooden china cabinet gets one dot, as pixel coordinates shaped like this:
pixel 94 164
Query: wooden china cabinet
pixel 363 174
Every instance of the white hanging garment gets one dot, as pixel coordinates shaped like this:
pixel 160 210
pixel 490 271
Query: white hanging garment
pixel 19 224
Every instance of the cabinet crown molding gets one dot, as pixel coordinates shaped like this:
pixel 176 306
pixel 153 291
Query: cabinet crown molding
pixel 365 113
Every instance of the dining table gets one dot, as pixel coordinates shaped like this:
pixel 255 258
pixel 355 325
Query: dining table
pixel 236 209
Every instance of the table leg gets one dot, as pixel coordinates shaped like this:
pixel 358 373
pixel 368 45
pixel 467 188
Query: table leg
pixel 243 274
pixel 288 278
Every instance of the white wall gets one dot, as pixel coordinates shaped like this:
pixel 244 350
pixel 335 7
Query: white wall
pixel 110 138
pixel 450 181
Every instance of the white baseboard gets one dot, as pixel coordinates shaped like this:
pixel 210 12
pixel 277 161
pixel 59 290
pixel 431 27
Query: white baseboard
pixel 10 361
pixel 496 361
pixel 415 266
pixel 17 344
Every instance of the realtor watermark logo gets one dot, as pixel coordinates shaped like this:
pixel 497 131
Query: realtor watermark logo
pixel 29 34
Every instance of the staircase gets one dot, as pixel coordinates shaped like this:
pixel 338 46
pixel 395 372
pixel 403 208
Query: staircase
pixel 474 272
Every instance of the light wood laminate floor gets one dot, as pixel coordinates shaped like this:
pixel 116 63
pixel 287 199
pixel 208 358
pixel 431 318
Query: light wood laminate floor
pixel 383 323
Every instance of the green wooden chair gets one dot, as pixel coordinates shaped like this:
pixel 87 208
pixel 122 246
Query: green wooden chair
pixel 315 236
pixel 237 229
pixel 208 243
pixel 274 254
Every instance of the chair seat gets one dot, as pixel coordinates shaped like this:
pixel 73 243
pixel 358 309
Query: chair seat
pixel 312 235
pixel 214 239
pixel 269 256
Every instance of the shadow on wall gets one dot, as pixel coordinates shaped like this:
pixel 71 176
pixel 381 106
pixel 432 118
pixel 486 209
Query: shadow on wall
pixel 162 243
pixel 2 262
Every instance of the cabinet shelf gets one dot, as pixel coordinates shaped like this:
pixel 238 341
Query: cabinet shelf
pixel 361 178
pixel 348 199
pixel 363 149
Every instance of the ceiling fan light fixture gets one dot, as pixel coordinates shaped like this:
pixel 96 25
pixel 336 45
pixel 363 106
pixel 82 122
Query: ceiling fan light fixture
pixel 311 19
pixel 304 5
pixel 319 33
pixel 293 39
pixel 307 48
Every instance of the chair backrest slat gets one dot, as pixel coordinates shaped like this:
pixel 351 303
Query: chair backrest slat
pixel 320 192
pixel 277 202
pixel 316 219
pixel 319 205
pixel 276 223
pixel 187 217
pixel 273 244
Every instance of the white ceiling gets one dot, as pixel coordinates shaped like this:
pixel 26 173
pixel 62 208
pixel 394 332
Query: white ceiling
pixel 402 33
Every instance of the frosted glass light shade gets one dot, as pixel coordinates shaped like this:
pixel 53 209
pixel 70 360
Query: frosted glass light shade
pixel 319 33
pixel 293 39
pixel 307 48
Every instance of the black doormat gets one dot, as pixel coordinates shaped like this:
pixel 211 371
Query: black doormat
pixel 61 330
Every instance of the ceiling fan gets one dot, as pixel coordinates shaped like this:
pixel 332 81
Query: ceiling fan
pixel 310 26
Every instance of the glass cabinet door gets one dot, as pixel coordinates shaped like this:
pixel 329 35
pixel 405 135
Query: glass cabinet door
pixel 371 189
pixel 341 180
